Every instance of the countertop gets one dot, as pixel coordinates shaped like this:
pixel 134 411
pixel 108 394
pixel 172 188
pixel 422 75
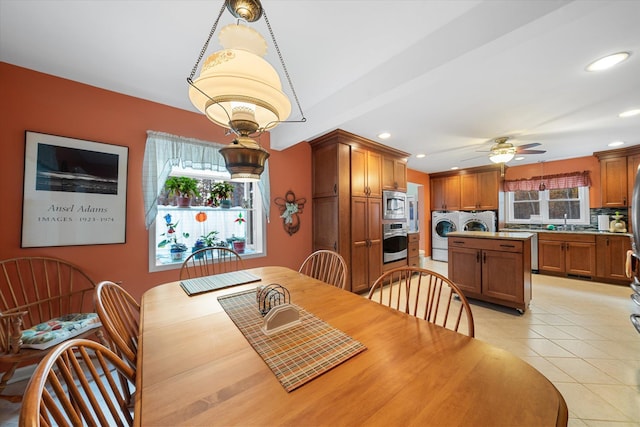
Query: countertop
pixel 544 230
pixel 503 235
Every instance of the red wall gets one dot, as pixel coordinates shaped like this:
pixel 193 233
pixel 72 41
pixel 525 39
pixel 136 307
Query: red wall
pixel 43 103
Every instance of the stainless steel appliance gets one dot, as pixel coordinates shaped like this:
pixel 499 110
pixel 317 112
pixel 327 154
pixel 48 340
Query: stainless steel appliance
pixel 394 205
pixel 394 241
pixel 634 258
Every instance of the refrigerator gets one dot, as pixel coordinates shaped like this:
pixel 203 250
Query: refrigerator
pixel 633 257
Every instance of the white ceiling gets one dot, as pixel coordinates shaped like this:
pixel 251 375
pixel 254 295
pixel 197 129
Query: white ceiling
pixel 444 77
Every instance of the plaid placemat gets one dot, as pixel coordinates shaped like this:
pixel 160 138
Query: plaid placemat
pixel 217 281
pixel 296 355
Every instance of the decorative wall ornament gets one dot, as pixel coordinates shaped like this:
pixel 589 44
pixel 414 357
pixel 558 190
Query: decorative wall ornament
pixel 290 208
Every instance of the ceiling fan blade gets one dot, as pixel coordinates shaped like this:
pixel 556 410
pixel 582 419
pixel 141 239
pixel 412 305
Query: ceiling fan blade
pixel 531 151
pixel 531 145
pixel 473 158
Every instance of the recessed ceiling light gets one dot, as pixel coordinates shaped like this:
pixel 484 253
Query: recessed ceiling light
pixel 608 61
pixel 519 158
pixel 630 113
pixel 455 168
pixel 420 156
pixel 615 143
pixel 384 135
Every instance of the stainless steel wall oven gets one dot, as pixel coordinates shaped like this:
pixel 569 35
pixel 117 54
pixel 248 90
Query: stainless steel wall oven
pixel 394 241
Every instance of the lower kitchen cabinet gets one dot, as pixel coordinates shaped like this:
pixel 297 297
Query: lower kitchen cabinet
pixel 611 253
pixel 570 254
pixel 493 267
pixel 413 249
pixel 366 242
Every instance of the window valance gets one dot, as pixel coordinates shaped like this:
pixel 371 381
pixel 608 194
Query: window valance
pixel 551 182
pixel 163 151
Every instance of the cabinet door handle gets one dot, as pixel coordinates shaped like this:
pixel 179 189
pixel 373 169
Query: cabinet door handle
pixel 459 242
pixel 484 257
pixel 335 188
pixel 478 256
pixel 335 246
pixel 607 240
pixel 507 246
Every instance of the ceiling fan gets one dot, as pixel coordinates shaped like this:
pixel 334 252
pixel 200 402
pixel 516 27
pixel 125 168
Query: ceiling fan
pixel 503 151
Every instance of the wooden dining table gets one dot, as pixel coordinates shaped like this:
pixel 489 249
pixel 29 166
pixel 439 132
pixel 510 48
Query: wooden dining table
pixel 195 367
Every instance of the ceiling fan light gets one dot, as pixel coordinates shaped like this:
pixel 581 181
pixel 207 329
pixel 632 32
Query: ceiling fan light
pixel 502 156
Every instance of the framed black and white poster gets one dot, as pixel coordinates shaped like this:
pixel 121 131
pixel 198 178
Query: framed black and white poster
pixel 75 192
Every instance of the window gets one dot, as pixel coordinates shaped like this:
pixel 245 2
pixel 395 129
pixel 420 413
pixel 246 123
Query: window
pixel 548 206
pixel 169 155
pixel 242 221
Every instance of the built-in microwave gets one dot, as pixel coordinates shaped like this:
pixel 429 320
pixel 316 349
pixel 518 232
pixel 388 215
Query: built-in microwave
pixel 394 205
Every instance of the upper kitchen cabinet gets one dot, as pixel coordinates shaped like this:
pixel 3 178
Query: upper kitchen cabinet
pixel 469 189
pixel 366 173
pixel 394 174
pixel 617 175
pixel 330 165
pixel 479 191
pixel 445 193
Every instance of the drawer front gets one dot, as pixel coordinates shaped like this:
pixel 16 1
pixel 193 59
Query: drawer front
pixel 567 237
pixel 413 237
pixel 505 245
pixel 413 249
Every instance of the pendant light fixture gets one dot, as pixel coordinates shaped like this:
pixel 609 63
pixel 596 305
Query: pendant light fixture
pixel 239 90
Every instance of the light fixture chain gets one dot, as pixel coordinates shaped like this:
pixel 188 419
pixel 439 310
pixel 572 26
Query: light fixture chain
pixel 284 67
pixel 206 43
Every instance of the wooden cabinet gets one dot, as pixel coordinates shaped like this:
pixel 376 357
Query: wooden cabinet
pixel 479 191
pixel 366 173
pixel 613 179
pixel 347 202
pixel 471 189
pixel 445 193
pixel 611 252
pixel 413 249
pixel 497 270
pixel 366 244
pixel 567 254
pixel 394 174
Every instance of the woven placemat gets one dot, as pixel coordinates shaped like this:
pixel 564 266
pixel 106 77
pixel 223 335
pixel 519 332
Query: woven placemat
pixel 296 355
pixel 217 281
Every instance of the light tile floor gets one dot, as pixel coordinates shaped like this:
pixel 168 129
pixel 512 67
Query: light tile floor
pixel 577 333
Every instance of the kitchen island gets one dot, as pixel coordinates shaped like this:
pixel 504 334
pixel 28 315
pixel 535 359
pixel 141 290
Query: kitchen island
pixel 493 267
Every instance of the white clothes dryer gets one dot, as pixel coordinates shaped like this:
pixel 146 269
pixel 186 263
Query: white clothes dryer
pixel 443 223
pixel 478 221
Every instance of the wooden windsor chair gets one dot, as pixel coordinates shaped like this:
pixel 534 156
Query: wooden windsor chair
pixel 43 301
pixel 78 383
pixel 210 261
pixel 327 266
pixel 120 316
pixel 425 294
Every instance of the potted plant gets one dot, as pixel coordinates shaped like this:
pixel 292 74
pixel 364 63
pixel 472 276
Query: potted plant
pixel 238 244
pixel 183 188
pixel 221 193
pixel 209 239
pixel 177 249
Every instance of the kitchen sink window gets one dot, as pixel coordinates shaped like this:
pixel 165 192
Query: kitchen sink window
pixel 548 206
pixel 551 199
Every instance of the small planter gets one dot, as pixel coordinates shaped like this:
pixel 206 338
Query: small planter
pixel 177 254
pixel 197 248
pixel 225 204
pixel 183 202
pixel 238 246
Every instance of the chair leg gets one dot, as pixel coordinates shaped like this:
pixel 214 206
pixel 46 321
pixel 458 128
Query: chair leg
pixel 3 384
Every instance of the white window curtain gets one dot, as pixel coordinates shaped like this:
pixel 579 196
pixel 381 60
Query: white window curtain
pixel 163 151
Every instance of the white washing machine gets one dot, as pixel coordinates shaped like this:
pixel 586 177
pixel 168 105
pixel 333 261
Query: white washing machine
pixel 443 223
pixel 478 221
